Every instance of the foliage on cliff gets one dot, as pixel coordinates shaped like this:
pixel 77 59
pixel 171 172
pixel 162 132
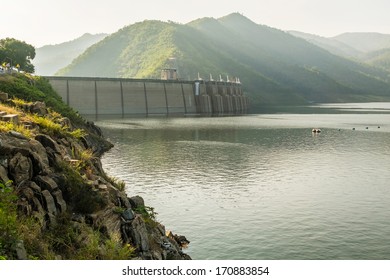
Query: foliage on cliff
pixel 274 66
pixel 35 88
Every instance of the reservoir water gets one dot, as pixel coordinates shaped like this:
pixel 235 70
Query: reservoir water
pixel 263 186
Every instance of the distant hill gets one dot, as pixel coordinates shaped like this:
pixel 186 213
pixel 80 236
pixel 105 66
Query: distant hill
pixel 332 45
pixel 370 48
pixel 365 42
pixel 274 66
pixel 49 59
pixel 379 58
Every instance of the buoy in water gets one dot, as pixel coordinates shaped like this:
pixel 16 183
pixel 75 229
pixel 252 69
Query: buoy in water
pixel 316 130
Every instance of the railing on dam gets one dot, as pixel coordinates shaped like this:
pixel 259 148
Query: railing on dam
pixel 118 96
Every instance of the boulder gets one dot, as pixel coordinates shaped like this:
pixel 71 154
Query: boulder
pixel 65 122
pixel 60 202
pixel 38 108
pixel 3 96
pixel 138 233
pixel 47 141
pixel 39 157
pixel 21 253
pixel 137 202
pixel 128 215
pixel 46 183
pixel 13 118
pixel 17 135
pixel 20 168
pixel 3 174
pixel 49 203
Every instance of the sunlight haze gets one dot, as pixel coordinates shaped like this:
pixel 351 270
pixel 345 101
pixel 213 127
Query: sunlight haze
pixel 44 22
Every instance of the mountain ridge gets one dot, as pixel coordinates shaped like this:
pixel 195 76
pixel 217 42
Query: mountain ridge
pixel 50 58
pixel 274 66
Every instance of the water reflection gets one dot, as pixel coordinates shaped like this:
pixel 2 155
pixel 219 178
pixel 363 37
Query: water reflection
pixel 262 187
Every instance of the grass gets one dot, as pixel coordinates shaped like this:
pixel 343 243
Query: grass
pixel 50 124
pixel 35 88
pixel 72 240
pixel 117 183
pixel 7 126
pixel 8 220
pixel 148 214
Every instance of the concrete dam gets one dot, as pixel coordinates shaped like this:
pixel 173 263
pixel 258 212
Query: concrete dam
pixel 118 96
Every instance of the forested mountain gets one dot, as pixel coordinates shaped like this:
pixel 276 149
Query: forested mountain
pixel 369 48
pixel 274 66
pixel 49 59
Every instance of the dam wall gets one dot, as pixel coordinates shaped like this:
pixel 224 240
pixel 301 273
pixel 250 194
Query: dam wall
pixel 117 96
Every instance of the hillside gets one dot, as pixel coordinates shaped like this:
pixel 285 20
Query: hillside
pixel 369 48
pixel 274 66
pixel 332 45
pixel 379 58
pixel 56 201
pixel 365 42
pixel 49 59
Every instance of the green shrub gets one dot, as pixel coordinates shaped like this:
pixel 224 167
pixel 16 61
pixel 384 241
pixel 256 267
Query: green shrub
pixel 8 220
pixel 83 199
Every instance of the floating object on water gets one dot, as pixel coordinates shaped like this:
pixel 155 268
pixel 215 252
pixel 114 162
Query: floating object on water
pixel 366 127
pixel 353 128
pixel 379 127
pixel 316 130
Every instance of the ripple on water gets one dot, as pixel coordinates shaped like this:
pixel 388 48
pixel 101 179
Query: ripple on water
pixel 263 188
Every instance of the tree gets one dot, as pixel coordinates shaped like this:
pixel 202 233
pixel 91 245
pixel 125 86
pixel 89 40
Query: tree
pixel 17 52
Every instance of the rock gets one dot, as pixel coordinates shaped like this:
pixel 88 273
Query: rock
pixel 27 193
pixel 14 118
pixel 38 108
pixel 108 222
pixel 21 253
pixel 123 200
pixel 65 122
pixel 20 168
pixel 139 235
pixel 78 218
pixel 3 96
pixel 46 183
pixel 35 188
pixel 49 202
pixel 136 202
pixel 3 174
pixel 24 207
pixel 39 157
pixel 17 135
pixel 181 240
pixel 60 202
pixel 47 141
pixel 128 215
pixel 161 229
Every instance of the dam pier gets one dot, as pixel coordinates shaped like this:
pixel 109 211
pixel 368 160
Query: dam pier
pixel 120 96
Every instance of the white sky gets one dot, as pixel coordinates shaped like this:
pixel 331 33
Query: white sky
pixel 41 22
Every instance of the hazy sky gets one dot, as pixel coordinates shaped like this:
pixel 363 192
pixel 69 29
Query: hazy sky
pixel 41 22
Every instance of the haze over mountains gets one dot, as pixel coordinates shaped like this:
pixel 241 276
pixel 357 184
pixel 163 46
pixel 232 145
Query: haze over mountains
pixel 370 48
pixel 275 67
pixel 49 59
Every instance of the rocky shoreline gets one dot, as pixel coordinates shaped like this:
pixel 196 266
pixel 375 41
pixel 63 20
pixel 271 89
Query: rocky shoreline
pixel 59 182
